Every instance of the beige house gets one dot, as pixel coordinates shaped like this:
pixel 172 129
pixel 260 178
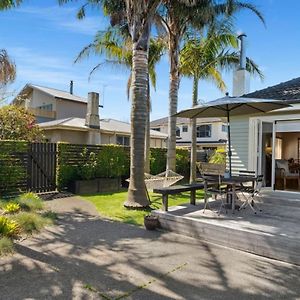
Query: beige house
pixel 65 117
pixel 74 130
pixel 211 132
pixel 49 104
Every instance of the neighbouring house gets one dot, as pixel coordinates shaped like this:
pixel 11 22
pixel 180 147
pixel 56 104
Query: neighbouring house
pixel 93 130
pixel 48 104
pixel 211 132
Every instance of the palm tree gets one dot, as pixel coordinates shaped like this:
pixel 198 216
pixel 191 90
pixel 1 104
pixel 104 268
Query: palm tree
pixel 115 45
pixel 7 4
pixel 7 69
pixel 175 19
pixel 203 59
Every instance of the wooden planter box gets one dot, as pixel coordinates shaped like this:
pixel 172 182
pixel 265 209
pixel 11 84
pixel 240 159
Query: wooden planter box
pixel 98 185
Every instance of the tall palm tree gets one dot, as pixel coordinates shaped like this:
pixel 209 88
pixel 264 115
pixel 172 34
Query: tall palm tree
pixel 7 69
pixel 202 59
pixel 115 45
pixel 138 16
pixel 176 18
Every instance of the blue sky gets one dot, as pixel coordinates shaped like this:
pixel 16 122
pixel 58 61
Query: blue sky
pixel 44 39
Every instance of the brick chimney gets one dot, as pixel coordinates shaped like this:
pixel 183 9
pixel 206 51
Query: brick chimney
pixel 241 77
pixel 92 119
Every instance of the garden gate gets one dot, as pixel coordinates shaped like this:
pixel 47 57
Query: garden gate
pixel 41 167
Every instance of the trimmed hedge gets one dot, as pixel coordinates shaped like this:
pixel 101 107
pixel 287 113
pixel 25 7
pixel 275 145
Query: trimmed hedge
pixel 79 162
pixel 13 173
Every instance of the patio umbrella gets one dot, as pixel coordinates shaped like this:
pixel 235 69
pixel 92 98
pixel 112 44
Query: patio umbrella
pixel 231 106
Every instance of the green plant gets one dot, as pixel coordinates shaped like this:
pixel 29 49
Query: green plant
pixel 30 222
pixel 8 228
pixel 6 246
pixel 182 161
pixel 158 158
pixel 30 202
pixel 86 170
pixel 218 157
pixel 11 208
pixel 112 162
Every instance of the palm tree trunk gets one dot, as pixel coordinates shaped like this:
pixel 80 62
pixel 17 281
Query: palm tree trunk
pixel 147 135
pixel 137 197
pixel 173 100
pixel 194 134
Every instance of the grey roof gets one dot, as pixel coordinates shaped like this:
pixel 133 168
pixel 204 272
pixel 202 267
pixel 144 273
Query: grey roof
pixel 106 125
pixel 53 92
pixel 287 91
pixel 180 120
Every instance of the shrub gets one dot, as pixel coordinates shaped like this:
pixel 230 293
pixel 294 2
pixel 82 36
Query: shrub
pixel 11 208
pixel 87 169
pixel 182 161
pixel 112 162
pixel 30 222
pixel 218 157
pixel 8 228
pixel 6 246
pixel 158 159
pixel 30 202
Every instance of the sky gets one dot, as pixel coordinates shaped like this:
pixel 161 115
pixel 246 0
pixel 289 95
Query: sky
pixel 44 39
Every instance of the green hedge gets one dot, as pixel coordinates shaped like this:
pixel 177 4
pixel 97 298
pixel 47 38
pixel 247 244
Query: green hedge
pixel 158 160
pixel 79 162
pixel 13 175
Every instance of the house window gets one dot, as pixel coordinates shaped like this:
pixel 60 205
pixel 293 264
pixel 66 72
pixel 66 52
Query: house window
pixel 47 107
pixel 156 129
pixel 177 131
pixel 204 131
pixel 184 128
pixel 123 140
pixel 224 128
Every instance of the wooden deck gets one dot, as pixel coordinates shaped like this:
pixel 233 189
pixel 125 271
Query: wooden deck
pixel 273 233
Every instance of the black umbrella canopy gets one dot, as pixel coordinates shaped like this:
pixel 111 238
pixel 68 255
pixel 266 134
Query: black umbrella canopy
pixel 235 106
pixel 232 106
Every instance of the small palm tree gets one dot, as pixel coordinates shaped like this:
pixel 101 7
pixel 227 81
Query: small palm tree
pixel 203 59
pixel 7 4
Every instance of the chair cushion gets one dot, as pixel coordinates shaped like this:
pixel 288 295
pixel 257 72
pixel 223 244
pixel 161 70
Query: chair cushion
pixel 283 164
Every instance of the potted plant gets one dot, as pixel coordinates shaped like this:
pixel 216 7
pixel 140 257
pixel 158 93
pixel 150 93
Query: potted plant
pixel 151 222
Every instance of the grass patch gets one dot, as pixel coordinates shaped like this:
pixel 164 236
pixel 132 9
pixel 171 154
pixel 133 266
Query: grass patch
pixel 6 246
pixel 31 222
pixel 110 205
pixel 30 202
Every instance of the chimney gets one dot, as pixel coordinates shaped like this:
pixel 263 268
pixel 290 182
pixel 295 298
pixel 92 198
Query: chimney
pixel 71 87
pixel 241 77
pixel 92 119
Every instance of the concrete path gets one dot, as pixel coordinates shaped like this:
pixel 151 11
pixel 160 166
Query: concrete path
pixel 86 257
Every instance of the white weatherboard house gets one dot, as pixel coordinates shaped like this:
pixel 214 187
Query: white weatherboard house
pixel 65 117
pixel 211 132
pixel 270 143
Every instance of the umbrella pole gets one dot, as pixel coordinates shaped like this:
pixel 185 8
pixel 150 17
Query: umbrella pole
pixel 229 140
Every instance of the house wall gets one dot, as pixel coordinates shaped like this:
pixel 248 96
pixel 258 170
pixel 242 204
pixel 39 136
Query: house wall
pixel 216 131
pixel 239 127
pixel 68 136
pixel 67 109
pixel 39 98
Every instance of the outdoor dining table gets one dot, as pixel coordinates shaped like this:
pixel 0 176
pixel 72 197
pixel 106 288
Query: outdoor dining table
pixel 232 183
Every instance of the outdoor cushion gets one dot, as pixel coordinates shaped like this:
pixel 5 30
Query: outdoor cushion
pixel 283 164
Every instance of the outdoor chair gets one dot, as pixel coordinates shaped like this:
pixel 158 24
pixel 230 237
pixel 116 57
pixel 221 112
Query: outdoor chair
pixel 283 172
pixel 250 193
pixel 217 191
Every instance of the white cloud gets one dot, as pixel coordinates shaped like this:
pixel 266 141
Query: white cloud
pixel 65 18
